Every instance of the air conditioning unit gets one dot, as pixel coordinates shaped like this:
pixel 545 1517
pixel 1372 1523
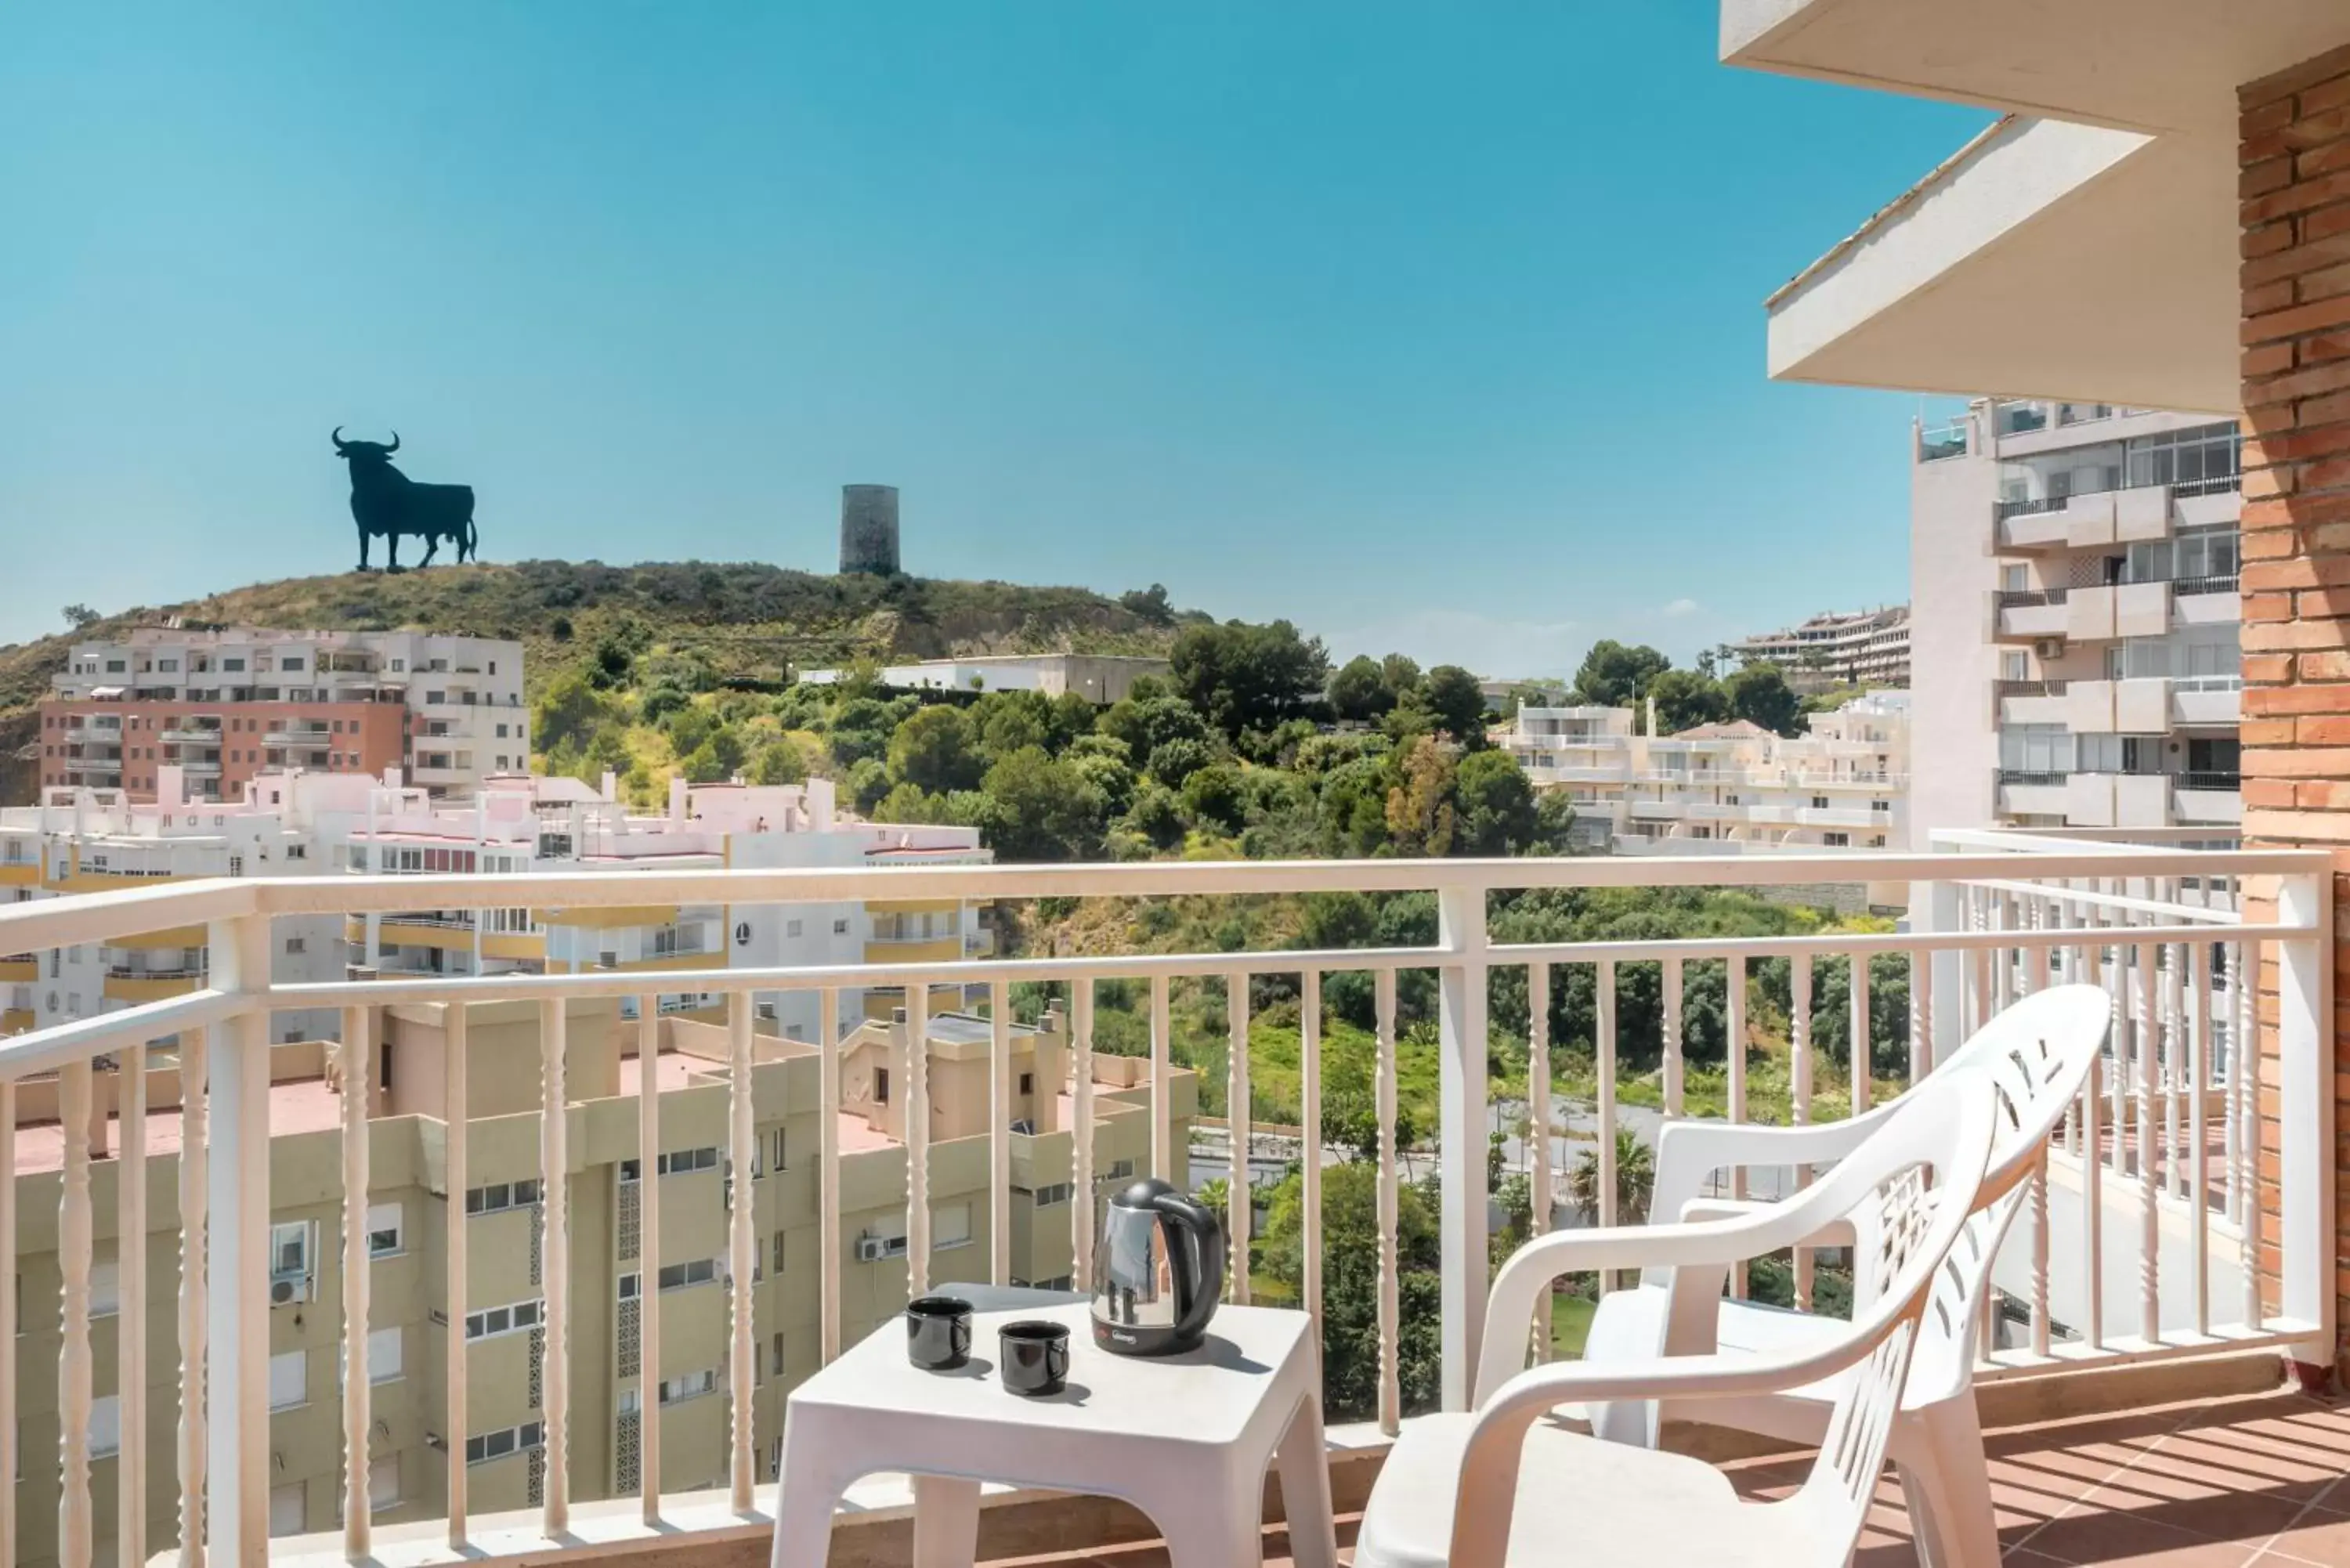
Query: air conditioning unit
pixel 285 1289
pixel 872 1249
pixel 607 958
pixel 2048 648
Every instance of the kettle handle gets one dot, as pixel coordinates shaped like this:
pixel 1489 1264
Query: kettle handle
pixel 1202 1272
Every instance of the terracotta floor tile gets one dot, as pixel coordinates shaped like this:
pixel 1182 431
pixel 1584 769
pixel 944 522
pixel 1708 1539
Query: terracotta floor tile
pixel 2115 1538
pixel 2321 1538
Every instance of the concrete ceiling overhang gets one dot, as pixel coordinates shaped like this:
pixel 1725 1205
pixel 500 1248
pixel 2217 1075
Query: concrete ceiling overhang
pixel 2142 65
pixel 2044 260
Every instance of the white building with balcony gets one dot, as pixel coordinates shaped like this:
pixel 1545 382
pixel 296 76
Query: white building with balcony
pixel 2074 577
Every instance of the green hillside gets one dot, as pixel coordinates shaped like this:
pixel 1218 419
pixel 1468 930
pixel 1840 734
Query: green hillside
pixel 750 621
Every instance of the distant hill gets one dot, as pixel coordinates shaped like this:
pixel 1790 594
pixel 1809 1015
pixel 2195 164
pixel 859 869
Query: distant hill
pixel 752 621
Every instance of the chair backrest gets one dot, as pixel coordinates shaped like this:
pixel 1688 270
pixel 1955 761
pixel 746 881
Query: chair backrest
pixel 2037 1053
pixel 1912 1188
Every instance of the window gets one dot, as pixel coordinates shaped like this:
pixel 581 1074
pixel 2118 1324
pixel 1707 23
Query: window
pixel 881 1085
pixel 692 1385
pixel 295 945
pixel 1837 840
pixel 2035 749
pixel 1819 803
pixel 1119 1171
pixel 383 1482
pixel 104 1425
pixel 1027 1083
pixel 679 1276
pixel 289 1249
pixel 778 1265
pixel 774 1150
pixel 678 1162
pixel 840 928
pixel 286 1509
pixel 500 1196
pixel 386 1348
pixel 290 663
pixel 105 1288
pixel 385 1226
pixel 950 1226
pixel 791 927
pixel 491 1322
pixel 1058 1192
pixel 483 1447
pixel 776 1360
pixel 289 1380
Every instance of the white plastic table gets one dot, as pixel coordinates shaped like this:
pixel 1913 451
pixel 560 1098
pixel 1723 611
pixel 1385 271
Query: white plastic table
pixel 1186 1438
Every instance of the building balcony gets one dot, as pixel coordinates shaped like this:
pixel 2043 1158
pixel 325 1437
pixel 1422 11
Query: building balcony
pixel 198 735
pixel 2208 1161
pixel 306 739
pixel 19 967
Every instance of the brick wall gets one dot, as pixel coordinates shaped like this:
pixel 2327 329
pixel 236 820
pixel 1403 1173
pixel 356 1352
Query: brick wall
pixel 2294 190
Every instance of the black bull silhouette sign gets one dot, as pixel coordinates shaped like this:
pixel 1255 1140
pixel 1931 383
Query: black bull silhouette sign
pixel 387 504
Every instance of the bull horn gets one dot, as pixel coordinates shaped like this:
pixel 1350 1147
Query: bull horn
pixel 394 446
pixel 337 437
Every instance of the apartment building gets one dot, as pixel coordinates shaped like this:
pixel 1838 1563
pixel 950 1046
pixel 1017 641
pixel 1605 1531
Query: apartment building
pixel 409 1212
pixel 225 706
pixel 1723 789
pixel 2076 617
pixel 1864 648
pixel 1101 678
pixel 303 823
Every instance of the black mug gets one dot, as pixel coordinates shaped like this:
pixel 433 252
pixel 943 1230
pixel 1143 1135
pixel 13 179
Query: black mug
pixel 1035 1358
pixel 938 1332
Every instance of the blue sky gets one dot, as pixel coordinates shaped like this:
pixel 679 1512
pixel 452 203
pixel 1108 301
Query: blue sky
pixel 1431 327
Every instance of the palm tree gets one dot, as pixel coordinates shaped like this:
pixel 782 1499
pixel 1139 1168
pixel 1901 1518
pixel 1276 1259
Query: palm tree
pixel 1636 1180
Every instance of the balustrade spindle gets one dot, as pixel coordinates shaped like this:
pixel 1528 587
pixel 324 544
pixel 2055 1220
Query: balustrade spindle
pixel 2224 1023
pixel 1604 1052
pixel 195 1139
pixel 2040 1334
pixel 1081 1136
pixel 827 1179
pixel 1537 1130
pixel 1799 1110
pixel 1672 981
pixel 1162 1105
pixel 130 1320
pixel 918 1140
pixel 2093 1208
pixel 1863 1046
pixel 2198 1081
pixel 648 1259
pixel 999 1130
pixel 1733 1012
pixel 74 1247
pixel 357 1403
pixel 742 1247
pixel 555 1198
pixel 1391 1201
pixel 10 1467
pixel 2174 1065
pixel 1237 1201
pixel 1922 1015
pixel 2040 915
pixel 457 1160
pixel 2248 1045
pixel 2148 1175
pixel 2116 977
pixel 1309 1092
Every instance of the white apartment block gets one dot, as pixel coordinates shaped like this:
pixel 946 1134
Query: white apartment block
pixel 1724 789
pixel 85 840
pixel 224 707
pixel 2075 619
pixel 1863 648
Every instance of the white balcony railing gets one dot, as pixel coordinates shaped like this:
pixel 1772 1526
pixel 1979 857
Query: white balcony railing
pixel 2154 1260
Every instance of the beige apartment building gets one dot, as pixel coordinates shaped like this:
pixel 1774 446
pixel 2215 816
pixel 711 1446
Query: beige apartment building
pixel 1860 648
pixel 411 1209
pixel 2076 618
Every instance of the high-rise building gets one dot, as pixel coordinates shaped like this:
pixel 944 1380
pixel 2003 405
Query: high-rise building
pixel 2074 619
pixel 1864 648
pixel 225 706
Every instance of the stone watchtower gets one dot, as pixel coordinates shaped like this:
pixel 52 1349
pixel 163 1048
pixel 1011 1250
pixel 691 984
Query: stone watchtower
pixel 869 528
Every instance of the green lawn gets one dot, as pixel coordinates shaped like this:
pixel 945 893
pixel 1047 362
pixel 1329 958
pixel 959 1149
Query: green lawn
pixel 1570 1321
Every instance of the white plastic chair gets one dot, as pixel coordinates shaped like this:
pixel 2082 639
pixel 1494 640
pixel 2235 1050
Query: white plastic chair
pixel 1490 1487
pixel 2038 1053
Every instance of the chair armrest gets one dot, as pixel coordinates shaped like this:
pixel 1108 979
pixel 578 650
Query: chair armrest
pixel 1835 1233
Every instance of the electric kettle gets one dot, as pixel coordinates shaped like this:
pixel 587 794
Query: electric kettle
pixel 1159 1267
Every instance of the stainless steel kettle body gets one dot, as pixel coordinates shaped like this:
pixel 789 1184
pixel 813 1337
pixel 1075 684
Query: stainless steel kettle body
pixel 1159 1267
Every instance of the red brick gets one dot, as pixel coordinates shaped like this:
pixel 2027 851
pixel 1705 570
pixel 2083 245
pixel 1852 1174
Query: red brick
pixel 2327 795
pixel 2305 445
pixel 2277 324
pixel 2325 96
pixel 2265 360
pixel 2258 179
pixel 2315 127
pixel 2272 606
pixel 2327 410
pixel 2306 383
pixel 2330 730
pixel 2264 240
pixel 2265 484
pixel 2323 284
pixel 2270 732
pixel 2294 260
pixel 2315 699
pixel 2317 161
pixel 2320 604
pixel 2321 346
pixel 2273 514
pixel 2324 223
pixel 2310 73
pixel 2273 545
pixel 2268 666
pixel 2270 792
pixel 2298 197
pixel 2268 296
pixel 2268 118
pixel 2327 473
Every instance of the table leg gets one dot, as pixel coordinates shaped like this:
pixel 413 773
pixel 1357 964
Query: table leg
pixel 946 1522
pixel 806 1495
pixel 1208 1536
pixel 1304 1461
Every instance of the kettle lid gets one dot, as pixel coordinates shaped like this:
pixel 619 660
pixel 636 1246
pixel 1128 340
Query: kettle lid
pixel 1142 1194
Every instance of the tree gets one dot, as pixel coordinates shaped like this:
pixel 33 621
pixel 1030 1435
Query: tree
pixel 1038 808
pixel 1685 699
pixel 1242 677
pixel 1214 797
pixel 1401 673
pixel 1496 806
pixel 1149 604
pixel 1420 808
pixel 932 751
pixel 1636 1180
pixel 1360 692
pixel 1761 695
pixel 1174 761
pixel 569 711
pixel 1157 816
pixel 1007 721
pixel 1350 1286
pixel 1616 676
pixel 782 760
pixel 1146 723
pixel 1457 703
pixel 80 615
